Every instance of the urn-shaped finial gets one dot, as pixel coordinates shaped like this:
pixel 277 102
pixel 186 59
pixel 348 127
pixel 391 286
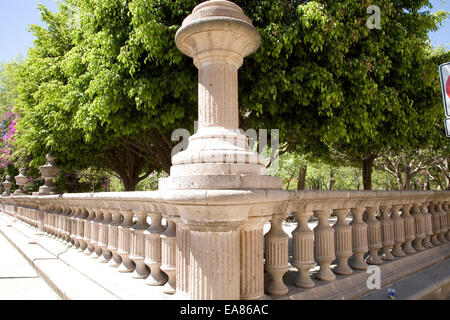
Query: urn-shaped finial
pixel 21 180
pixel 49 171
pixel 7 185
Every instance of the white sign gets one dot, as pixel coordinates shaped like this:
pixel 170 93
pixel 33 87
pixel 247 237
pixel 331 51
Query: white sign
pixel 447 127
pixel 444 71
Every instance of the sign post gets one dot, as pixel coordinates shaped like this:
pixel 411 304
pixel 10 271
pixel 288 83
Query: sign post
pixel 444 72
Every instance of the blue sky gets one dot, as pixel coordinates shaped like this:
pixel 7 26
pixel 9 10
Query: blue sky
pixel 16 15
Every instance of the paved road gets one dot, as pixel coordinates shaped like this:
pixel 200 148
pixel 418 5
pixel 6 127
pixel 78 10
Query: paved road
pixel 18 279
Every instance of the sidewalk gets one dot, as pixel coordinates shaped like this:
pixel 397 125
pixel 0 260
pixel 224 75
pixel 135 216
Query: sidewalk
pixel 18 279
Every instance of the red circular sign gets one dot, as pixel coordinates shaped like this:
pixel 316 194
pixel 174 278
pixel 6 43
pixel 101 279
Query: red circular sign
pixel 448 86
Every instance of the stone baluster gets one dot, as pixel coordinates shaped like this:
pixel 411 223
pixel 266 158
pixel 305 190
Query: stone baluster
pixel 387 233
pixel 277 263
pixel 182 259
pixel 343 242
pixel 41 220
pixel 419 227
pixel 87 231
pixel 81 223
pixel 153 255
pixel 168 255
pixel 67 226
pixel 399 231
pixel 95 232
pixel 124 243
pixel 52 222
pixel 252 258
pixel 103 235
pixel 61 215
pixel 443 222
pixel 113 238
pixel 428 225
pixel 74 228
pixel 324 245
pixel 303 249
pixel 373 236
pixel 409 229
pixel 137 254
pixel 359 239
pixel 447 210
pixel 435 222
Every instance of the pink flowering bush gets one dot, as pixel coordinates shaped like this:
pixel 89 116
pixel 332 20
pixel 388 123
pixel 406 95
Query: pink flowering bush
pixel 7 137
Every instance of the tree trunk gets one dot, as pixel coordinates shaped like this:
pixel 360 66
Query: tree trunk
pixel 367 172
pixel 302 178
pixel 331 181
pixel 129 183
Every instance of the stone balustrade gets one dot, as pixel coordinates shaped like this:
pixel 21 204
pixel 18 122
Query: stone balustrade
pixel 337 233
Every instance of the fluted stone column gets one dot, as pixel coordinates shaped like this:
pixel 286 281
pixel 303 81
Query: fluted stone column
pixel 103 235
pixel 428 225
pixel 399 231
pixel 359 239
pixel 435 222
pixel 443 222
pixel 169 255
pixel 373 236
pixel 183 234
pixel 153 255
pixel 324 245
pixel 387 233
pixel 113 238
pixel 124 242
pixel 409 229
pixel 419 227
pixel 303 249
pixel 138 246
pixel 214 275
pixel 252 259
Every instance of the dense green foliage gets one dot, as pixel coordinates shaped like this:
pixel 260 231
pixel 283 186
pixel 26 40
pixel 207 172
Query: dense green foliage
pixel 105 85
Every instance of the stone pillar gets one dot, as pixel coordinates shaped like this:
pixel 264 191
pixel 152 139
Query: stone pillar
pixel 252 258
pixel 169 255
pixel 214 262
pixel 419 227
pixel 303 249
pixel 435 222
pixel 373 236
pixel 124 242
pixel 103 235
pixel 138 246
pixel 183 242
pixel 399 231
pixel 153 250
pixel 113 238
pixel 359 239
pixel 443 222
pixel 409 229
pixel 277 262
pixel 324 245
pixel 387 233
pixel 428 225
pixel 447 210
